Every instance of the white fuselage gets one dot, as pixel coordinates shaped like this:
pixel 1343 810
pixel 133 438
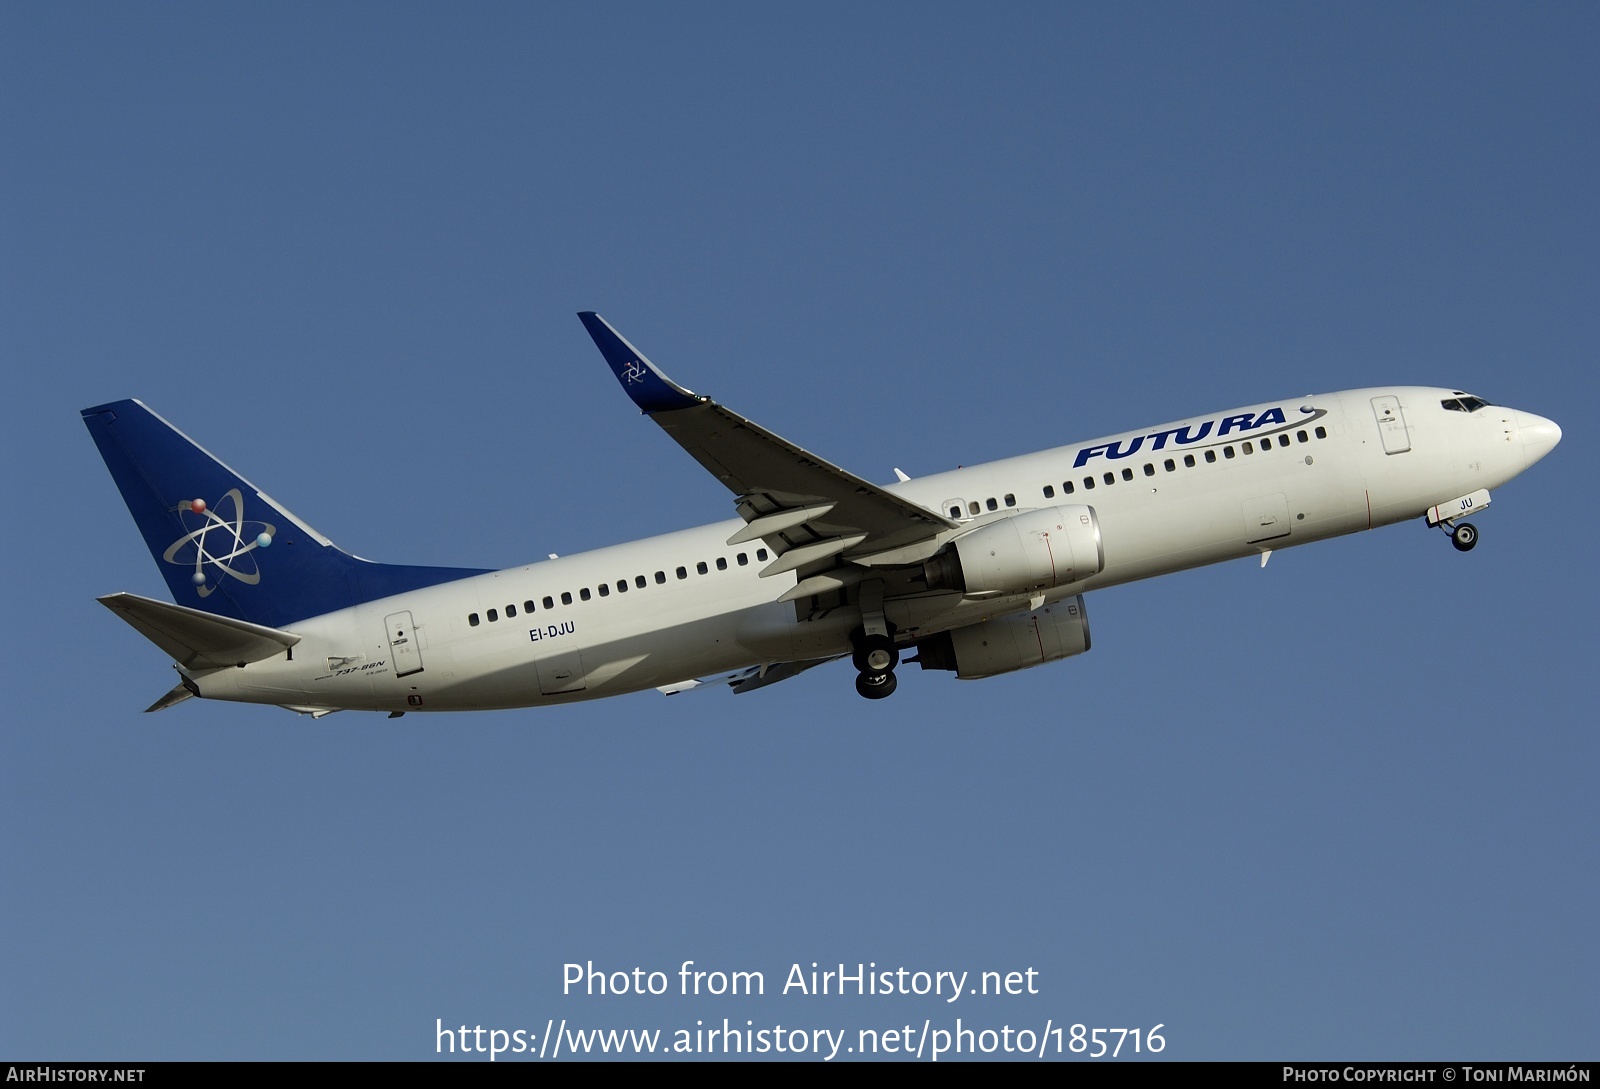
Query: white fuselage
pixel 685 604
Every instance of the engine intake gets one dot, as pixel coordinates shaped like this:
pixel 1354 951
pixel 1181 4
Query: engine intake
pixel 1009 643
pixel 1036 550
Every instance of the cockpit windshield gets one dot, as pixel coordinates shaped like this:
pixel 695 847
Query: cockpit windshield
pixel 1464 403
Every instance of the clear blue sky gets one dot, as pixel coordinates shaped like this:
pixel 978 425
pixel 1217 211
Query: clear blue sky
pixel 1340 808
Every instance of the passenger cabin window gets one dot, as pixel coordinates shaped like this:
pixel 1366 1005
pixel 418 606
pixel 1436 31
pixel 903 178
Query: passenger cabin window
pixel 683 573
pixel 1111 478
pixel 1066 487
pixel 549 603
pixel 1149 470
pixel 511 610
pixel 527 606
pixel 493 615
pixel 1049 491
pixel 1011 500
pixel 583 594
pixel 605 591
pixel 1170 466
pixel 1188 461
pixel 1127 474
pixel 972 507
pixel 622 586
pixel 993 504
pixel 1302 436
pixel 1322 432
pixel 955 512
pixel 472 618
pixel 1227 452
pixel 722 563
pixel 566 597
pixel 1088 483
pixel 761 554
pixel 701 567
pixel 661 577
pixel 1211 457
pixel 638 580
pixel 743 559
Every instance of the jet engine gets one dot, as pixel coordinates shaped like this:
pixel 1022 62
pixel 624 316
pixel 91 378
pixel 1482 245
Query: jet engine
pixel 1009 643
pixel 1036 550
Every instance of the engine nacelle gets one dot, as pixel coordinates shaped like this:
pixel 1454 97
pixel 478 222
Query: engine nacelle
pixel 1009 643
pixel 1037 550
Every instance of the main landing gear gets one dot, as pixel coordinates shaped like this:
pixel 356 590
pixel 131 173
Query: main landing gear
pixel 875 657
pixel 873 650
pixel 1462 534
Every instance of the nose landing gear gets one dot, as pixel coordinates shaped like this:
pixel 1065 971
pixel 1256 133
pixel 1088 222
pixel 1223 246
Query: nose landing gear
pixel 1462 534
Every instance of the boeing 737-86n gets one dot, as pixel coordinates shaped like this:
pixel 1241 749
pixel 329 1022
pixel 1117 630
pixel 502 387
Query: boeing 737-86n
pixel 981 571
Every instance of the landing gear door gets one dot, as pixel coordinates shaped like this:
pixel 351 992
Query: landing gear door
pixel 1391 425
pixel 404 650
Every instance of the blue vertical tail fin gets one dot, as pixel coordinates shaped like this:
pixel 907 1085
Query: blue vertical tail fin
pixel 224 546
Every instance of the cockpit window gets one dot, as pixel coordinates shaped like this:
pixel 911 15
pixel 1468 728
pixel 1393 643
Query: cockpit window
pixel 1452 405
pixel 1464 404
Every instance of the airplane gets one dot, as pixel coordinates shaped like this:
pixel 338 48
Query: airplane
pixel 980 571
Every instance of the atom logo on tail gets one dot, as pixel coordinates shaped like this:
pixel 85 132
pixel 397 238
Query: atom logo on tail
pixel 219 543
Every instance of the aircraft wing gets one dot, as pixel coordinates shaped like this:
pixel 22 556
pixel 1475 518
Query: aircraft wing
pixel 807 510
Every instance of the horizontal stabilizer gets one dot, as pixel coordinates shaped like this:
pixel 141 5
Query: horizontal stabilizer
pixel 178 694
pixel 199 640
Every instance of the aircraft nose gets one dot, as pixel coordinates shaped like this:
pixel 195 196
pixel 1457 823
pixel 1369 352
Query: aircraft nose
pixel 1539 435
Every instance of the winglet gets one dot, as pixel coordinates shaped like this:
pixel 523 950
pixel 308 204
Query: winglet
pixel 651 390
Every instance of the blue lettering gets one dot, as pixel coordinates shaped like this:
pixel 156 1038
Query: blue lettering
pixel 533 635
pixel 1110 449
pixel 1182 436
pixel 1186 438
pixel 1088 452
pixel 1129 452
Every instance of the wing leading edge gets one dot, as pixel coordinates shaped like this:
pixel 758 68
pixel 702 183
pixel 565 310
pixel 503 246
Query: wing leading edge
pixel 810 512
